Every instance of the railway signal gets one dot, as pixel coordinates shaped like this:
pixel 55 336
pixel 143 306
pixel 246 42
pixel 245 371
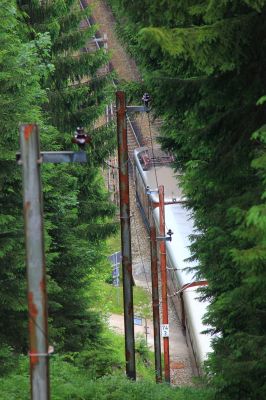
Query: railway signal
pixel 146 98
pixel 81 138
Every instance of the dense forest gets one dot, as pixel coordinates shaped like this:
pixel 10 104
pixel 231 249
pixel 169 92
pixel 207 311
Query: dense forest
pixel 41 82
pixel 47 79
pixel 204 64
pixel 36 69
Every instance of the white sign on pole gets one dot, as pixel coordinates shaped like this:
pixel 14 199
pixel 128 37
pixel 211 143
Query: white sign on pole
pixel 165 330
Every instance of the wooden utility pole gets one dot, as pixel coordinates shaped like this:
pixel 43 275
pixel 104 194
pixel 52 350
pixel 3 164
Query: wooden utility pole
pixel 165 322
pixel 155 304
pixel 36 274
pixel 125 234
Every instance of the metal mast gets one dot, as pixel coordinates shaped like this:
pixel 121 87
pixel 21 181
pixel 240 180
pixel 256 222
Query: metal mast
pixel 125 234
pixel 36 274
pixel 165 322
pixel 155 304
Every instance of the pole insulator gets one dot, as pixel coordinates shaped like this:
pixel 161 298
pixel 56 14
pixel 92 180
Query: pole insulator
pixel 81 138
pixel 146 98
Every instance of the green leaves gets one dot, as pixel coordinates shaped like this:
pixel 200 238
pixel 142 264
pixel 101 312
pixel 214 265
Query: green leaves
pixel 257 4
pixel 42 81
pixel 261 101
pixel 205 75
pixel 69 381
pixel 197 43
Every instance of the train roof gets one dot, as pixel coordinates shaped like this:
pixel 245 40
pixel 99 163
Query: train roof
pixel 158 171
pixel 178 219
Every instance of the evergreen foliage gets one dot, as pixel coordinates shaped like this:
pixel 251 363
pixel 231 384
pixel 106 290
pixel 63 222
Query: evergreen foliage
pixel 20 76
pixel 205 69
pixel 45 80
pixel 70 382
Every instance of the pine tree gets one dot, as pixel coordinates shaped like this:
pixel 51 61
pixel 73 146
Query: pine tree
pixel 78 215
pixel 77 95
pixel 21 75
pixel 206 74
pixel 77 85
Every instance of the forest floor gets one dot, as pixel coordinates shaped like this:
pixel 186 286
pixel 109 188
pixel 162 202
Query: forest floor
pixel 126 68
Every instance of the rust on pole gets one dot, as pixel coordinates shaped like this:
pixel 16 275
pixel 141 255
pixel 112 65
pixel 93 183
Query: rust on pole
pixel 125 234
pixel 155 305
pixel 165 322
pixel 36 274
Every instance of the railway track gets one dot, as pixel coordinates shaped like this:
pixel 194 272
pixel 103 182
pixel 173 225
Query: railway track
pixel 98 42
pixel 141 132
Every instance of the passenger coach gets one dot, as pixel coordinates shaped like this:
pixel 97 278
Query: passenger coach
pixel 153 169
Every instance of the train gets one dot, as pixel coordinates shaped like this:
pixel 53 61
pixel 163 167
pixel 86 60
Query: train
pixel 152 168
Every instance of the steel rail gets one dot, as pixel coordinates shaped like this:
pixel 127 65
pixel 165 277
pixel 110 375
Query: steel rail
pixel 89 24
pixel 113 82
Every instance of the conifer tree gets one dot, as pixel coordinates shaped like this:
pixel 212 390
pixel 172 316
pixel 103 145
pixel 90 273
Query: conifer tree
pixel 78 215
pixel 206 74
pixel 78 210
pixel 21 74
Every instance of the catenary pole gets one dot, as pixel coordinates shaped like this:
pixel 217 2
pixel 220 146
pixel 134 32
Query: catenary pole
pixel 36 275
pixel 155 304
pixel 125 234
pixel 165 322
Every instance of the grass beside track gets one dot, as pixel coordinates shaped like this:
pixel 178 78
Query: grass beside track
pixel 70 382
pixel 111 300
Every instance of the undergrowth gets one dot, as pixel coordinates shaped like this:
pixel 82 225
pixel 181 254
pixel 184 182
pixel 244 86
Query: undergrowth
pixel 110 300
pixel 70 382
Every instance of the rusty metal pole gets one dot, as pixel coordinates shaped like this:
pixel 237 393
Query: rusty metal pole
pixel 125 234
pixel 165 322
pixel 155 305
pixel 37 298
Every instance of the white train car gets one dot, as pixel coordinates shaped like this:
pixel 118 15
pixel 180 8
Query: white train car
pixel 151 171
